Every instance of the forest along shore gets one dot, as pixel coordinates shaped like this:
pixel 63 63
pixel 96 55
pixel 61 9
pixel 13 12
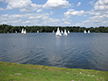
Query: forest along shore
pixel 12 29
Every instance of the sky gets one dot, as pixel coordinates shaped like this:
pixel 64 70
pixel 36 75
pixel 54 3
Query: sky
pixel 84 13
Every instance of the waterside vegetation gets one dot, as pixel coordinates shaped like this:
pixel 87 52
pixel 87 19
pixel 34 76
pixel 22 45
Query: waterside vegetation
pixel 11 29
pixel 26 72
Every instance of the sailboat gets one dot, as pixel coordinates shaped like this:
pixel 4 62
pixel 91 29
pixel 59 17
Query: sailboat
pixel 24 32
pixel 15 31
pixel 88 31
pixel 58 32
pixel 37 31
pixel 53 31
pixel 85 31
pixel 65 33
pixel 61 31
pixel 68 31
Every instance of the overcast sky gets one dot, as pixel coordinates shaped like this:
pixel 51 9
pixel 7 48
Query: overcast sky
pixel 54 12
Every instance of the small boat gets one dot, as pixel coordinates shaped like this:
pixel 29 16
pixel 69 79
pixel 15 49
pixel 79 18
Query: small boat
pixel 58 32
pixel 68 31
pixel 61 31
pixel 37 31
pixel 24 32
pixel 85 31
pixel 53 31
pixel 65 33
pixel 88 31
pixel 15 31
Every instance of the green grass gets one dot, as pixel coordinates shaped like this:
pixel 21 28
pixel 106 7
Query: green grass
pixel 24 72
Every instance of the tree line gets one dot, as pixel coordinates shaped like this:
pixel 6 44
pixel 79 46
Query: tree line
pixel 11 29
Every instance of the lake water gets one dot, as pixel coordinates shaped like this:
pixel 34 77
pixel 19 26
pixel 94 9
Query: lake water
pixel 77 50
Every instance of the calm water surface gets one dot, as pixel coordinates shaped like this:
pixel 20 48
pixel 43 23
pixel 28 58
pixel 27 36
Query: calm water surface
pixel 77 50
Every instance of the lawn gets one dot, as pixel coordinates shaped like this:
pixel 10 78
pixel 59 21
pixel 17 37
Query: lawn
pixel 26 72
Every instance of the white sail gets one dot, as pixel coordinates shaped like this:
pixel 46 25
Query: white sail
pixel 68 31
pixel 37 31
pixel 65 33
pixel 61 31
pixel 58 32
pixel 85 31
pixel 88 31
pixel 53 31
pixel 22 30
pixel 15 31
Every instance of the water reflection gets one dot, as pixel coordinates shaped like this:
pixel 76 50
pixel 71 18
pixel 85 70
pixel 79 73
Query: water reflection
pixel 77 50
pixel 58 41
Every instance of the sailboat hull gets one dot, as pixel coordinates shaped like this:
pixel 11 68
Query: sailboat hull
pixel 58 34
pixel 65 35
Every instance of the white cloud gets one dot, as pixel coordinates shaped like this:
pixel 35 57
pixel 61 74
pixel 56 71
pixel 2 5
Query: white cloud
pixel 51 12
pixel 98 20
pixel 92 12
pixel 53 21
pixel 86 21
pixel 56 4
pixel 1 0
pixel 16 16
pixel 43 19
pixel 4 15
pixel 100 17
pixel 3 22
pixel 72 12
pixel 63 19
pixel 92 2
pixel 39 10
pixel 97 16
pixel 26 22
pixel 79 3
pixel 29 19
pixel 14 21
pixel 1 9
pixel 11 19
pixel 66 22
pixel 4 18
pixel 39 16
pixel 23 5
pixel 101 5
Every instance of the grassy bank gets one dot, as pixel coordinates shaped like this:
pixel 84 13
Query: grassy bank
pixel 21 72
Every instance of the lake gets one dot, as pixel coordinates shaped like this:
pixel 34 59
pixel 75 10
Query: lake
pixel 77 50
